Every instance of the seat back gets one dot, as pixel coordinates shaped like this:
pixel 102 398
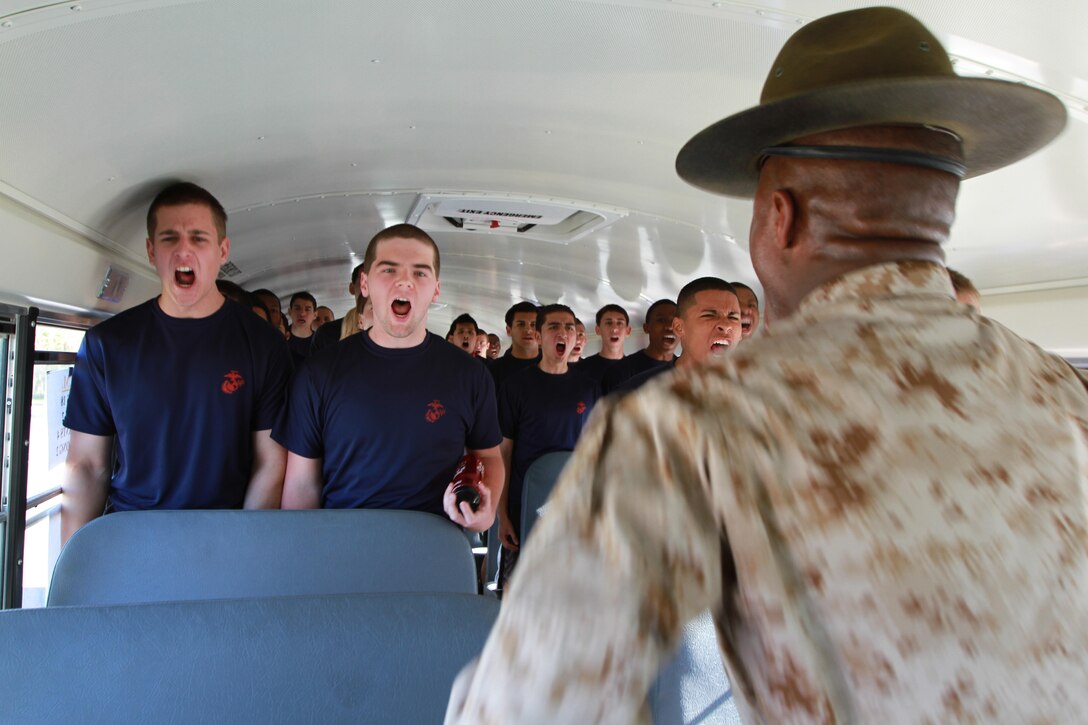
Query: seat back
pixel 388 658
pixel 539 481
pixel 493 545
pixel 155 556
pixel 692 688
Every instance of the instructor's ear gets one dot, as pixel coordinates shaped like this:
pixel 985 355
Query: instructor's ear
pixel 783 216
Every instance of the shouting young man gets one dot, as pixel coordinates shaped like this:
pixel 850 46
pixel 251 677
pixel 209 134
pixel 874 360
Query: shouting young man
pixel 381 419
pixel 657 353
pixel 613 327
pixel 188 384
pixel 707 324
pixel 462 333
pixel 541 409
pixel 749 309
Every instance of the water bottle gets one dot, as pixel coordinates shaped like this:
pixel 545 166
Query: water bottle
pixel 467 480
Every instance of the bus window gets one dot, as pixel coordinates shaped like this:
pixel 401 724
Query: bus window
pixel 47 452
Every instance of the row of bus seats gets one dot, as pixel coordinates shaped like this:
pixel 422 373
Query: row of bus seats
pixel 277 616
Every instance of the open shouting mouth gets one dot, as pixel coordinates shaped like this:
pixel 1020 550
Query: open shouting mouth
pixel 721 345
pixel 184 277
pixel 401 307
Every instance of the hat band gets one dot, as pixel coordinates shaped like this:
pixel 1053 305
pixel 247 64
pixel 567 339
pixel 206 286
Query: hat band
pixel 862 153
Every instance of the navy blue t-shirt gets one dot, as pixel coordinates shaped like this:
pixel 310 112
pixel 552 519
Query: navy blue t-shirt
pixel 595 366
pixel 183 397
pixel 389 424
pixel 629 367
pixel 507 365
pixel 632 384
pixel 541 413
pixel 326 335
pixel 300 348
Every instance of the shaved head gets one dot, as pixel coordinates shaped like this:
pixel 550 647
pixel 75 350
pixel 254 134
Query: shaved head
pixel 816 219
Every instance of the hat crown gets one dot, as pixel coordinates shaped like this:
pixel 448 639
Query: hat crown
pixel 858 46
pixel 870 67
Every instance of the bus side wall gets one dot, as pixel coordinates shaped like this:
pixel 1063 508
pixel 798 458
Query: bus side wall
pixel 46 264
pixel 1055 319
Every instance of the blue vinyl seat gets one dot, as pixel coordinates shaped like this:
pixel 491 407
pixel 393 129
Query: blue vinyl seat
pixel 362 658
pixel 539 481
pixel 149 556
pixel 538 484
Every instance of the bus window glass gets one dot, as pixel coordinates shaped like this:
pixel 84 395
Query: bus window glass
pixel 45 469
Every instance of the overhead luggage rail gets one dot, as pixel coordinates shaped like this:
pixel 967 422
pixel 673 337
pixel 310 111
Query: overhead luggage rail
pixel 149 556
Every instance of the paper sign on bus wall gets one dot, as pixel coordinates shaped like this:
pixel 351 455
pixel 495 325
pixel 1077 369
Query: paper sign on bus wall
pixel 58 383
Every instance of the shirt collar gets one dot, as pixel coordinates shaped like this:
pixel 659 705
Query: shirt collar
pixel 892 279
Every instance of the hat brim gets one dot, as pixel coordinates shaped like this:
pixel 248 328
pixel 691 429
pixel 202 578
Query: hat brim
pixel 999 123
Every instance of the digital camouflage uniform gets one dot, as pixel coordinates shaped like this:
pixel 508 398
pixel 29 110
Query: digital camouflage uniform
pixel 902 485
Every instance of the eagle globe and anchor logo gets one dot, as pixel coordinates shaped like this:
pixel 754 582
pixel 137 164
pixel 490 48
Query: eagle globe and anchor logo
pixel 435 410
pixel 232 381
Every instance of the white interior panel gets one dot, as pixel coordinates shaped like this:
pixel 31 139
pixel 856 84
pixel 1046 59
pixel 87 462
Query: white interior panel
pixel 319 123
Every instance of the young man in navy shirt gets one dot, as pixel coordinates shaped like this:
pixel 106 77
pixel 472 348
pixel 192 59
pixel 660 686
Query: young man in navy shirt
pixel 482 343
pixel 524 346
pixel 322 316
pixel 381 419
pixel 658 352
pixel 707 323
pixel 303 310
pixel 749 309
pixel 188 383
pixel 462 333
pixel 613 327
pixel 333 332
pixel 579 342
pixel 541 409
pixel 494 346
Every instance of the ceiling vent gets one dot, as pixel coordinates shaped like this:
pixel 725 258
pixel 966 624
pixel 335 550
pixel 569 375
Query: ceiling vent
pixel 560 221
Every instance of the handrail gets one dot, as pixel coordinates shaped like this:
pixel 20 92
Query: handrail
pixel 42 515
pixel 35 502
pixel 42 497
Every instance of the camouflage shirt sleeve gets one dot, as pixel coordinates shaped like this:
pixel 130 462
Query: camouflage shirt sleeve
pixel 626 554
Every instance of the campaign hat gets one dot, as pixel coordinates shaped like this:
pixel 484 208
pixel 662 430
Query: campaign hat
pixel 868 67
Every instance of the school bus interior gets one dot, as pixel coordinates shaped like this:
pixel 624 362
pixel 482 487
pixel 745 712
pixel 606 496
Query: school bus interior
pixel 535 141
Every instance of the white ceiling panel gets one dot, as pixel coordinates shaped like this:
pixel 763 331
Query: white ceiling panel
pixel 319 123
